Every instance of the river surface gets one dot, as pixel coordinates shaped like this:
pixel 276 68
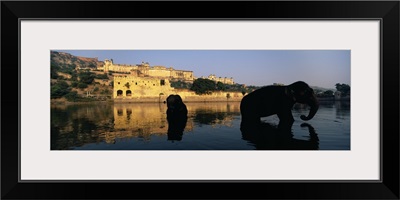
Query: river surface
pixel 209 126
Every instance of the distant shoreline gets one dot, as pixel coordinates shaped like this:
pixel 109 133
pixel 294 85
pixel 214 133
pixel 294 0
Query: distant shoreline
pixel 157 100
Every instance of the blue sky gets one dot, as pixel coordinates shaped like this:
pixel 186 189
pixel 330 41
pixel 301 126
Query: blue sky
pixel 323 68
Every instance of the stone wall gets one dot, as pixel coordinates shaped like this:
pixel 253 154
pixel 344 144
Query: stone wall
pixel 145 70
pixel 146 89
pixel 224 80
pixel 131 87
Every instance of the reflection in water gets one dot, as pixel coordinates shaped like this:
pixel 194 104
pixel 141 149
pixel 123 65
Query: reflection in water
pixel 208 126
pixel 265 136
pixel 176 126
pixel 77 125
pixel 214 114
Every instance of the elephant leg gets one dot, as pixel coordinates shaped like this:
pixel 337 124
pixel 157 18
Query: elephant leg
pixel 250 121
pixel 286 117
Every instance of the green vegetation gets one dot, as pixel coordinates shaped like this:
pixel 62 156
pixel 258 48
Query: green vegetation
pixel 105 91
pixel 82 85
pixel 343 88
pixel 59 89
pixel 180 84
pixel 102 76
pixel 72 96
pixel 203 86
pixel 86 77
pixel 206 86
pixel 76 85
pixel 64 68
pixel 53 72
pixel 327 93
pixel 221 86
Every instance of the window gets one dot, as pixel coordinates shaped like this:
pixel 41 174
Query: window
pixel 119 93
pixel 120 112
pixel 162 82
pixel 128 93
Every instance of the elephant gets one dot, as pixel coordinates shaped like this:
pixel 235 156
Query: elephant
pixel 176 117
pixel 279 100
pixel 175 106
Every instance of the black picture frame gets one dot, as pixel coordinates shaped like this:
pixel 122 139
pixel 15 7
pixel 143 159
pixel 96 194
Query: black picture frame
pixel 386 11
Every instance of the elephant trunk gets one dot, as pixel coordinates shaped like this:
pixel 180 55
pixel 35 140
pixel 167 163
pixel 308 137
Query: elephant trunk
pixel 314 105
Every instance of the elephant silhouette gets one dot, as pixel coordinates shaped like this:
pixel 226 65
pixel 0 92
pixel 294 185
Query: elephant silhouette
pixel 278 100
pixel 266 136
pixel 176 127
pixel 176 117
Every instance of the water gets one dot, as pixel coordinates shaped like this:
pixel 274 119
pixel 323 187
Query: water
pixel 210 126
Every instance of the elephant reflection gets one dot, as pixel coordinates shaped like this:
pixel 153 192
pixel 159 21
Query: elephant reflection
pixel 176 117
pixel 176 126
pixel 265 136
pixel 278 100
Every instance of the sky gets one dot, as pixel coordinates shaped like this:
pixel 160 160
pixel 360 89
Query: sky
pixel 322 68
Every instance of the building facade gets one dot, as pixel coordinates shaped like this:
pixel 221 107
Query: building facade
pixel 129 87
pixel 145 70
pixel 224 80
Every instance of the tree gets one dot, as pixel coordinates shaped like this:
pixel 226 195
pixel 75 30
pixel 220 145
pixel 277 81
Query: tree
pixel 74 84
pixel 72 96
pixel 180 84
pixel 53 73
pixel 86 77
pixel 59 89
pixel 82 85
pixel 105 91
pixel 203 86
pixel 343 88
pixel 328 93
pixel 102 76
pixel 221 86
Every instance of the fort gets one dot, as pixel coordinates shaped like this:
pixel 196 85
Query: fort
pixel 133 87
pixel 224 80
pixel 145 70
pixel 128 88
pixel 145 83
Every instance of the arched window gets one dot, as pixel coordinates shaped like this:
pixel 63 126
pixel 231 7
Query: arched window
pixel 119 93
pixel 120 112
pixel 128 93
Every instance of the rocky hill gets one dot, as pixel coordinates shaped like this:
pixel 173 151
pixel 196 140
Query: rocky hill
pixel 75 78
pixel 66 62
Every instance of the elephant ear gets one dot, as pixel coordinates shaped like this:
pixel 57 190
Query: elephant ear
pixel 309 91
pixel 290 93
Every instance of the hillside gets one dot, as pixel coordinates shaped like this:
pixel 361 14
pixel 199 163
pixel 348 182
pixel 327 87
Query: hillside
pixel 66 62
pixel 316 88
pixel 75 78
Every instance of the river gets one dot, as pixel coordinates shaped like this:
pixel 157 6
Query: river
pixel 210 126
